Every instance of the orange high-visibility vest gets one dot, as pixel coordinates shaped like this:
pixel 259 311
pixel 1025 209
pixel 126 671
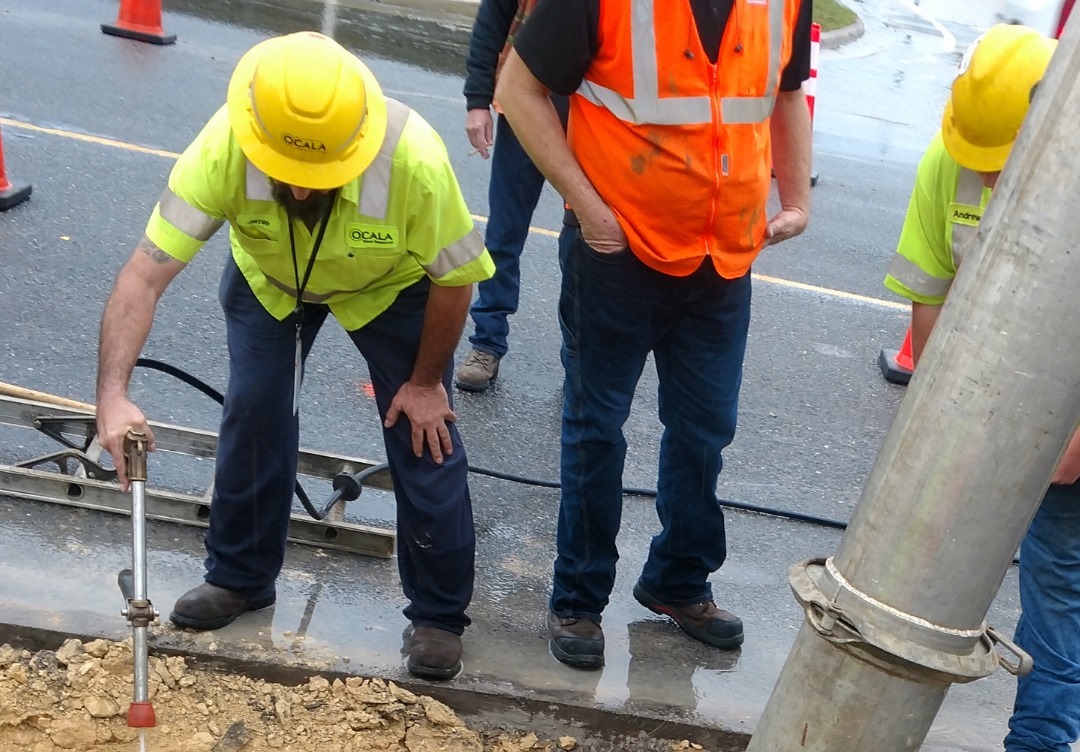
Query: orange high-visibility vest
pixel 679 148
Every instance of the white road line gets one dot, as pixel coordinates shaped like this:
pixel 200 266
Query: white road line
pixel 948 43
pixel 790 284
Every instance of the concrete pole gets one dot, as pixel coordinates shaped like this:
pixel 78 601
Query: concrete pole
pixel 898 614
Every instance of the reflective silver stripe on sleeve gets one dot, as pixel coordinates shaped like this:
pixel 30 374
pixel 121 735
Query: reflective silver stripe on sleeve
pixel 915 279
pixel 375 186
pixel 758 109
pixel 964 238
pixel 969 190
pixel 186 218
pixel 258 185
pixel 647 107
pixel 456 255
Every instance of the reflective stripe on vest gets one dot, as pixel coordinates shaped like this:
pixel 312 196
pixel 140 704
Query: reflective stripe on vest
pixel 186 218
pixel 647 107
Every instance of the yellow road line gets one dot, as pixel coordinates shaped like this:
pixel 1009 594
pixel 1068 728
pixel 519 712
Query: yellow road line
pixel 779 281
pixel 112 143
pixel 830 292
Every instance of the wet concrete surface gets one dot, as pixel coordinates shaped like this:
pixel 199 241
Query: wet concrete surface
pixel 814 408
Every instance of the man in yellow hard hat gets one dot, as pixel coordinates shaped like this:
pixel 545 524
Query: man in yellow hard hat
pixel 339 200
pixel 997 79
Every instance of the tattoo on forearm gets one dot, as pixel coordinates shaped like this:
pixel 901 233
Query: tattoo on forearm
pixel 157 255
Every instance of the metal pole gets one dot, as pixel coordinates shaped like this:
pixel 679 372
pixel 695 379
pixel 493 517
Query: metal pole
pixel 898 614
pixel 139 611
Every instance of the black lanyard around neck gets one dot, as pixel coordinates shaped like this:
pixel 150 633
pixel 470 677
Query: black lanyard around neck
pixel 301 285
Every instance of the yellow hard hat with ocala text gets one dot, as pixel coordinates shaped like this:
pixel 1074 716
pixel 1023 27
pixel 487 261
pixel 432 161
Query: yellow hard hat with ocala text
pixel 991 95
pixel 306 111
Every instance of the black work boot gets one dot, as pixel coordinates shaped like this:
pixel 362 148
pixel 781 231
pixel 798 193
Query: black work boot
pixel 434 654
pixel 576 642
pixel 703 620
pixel 211 607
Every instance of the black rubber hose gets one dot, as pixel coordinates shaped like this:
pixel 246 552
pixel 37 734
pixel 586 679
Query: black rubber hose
pixel 215 395
pixel 219 398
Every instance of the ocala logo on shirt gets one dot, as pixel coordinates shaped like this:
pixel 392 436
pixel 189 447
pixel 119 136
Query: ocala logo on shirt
pixel 370 236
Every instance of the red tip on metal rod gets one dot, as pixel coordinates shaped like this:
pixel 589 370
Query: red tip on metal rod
pixel 141 715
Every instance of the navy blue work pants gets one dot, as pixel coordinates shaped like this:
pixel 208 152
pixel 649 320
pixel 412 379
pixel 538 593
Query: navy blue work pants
pixel 258 450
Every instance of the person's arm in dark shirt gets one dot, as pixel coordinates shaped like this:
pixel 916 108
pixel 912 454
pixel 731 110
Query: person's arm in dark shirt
pixel 798 68
pixel 559 42
pixel 492 24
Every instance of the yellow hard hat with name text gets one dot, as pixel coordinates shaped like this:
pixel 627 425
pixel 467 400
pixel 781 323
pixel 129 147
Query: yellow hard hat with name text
pixel 991 95
pixel 306 111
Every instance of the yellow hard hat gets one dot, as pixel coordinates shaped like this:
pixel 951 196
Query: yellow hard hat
pixel 306 111
pixel 991 95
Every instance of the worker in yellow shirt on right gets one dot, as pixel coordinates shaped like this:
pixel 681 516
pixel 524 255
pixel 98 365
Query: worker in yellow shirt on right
pixel 997 79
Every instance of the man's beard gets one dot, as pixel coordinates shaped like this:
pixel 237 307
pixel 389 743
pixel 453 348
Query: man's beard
pixel 310 211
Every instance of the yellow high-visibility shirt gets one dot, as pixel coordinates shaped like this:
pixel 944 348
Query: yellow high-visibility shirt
pixel 945 196
pixel 402 219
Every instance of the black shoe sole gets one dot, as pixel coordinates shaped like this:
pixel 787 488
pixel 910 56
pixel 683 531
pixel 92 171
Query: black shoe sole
pixel 576 660
pixel 646 599
pixel 206 625
pixel 462 386
pixel 431 672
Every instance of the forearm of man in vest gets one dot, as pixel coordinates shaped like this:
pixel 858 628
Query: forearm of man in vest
pixel 125 325
pixel 423 398
pixel 527 105
pixel 791 145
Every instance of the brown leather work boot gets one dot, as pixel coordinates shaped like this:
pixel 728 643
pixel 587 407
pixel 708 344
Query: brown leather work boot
pixel 211 607
pixel 434 654
pixel 703 620
pixel 576 642
pixel 478 371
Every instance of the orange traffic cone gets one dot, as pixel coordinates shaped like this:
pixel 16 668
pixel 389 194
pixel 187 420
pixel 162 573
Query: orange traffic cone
pixel 898 365
pixel 10 194
pixel 140 20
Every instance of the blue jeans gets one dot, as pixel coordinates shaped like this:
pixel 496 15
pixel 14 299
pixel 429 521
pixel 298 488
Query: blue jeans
pixel 513 193
pixel 614 311
pixel 258 452
pixel 1046 715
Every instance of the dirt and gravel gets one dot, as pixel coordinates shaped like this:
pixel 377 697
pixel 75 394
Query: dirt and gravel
pixel 77 697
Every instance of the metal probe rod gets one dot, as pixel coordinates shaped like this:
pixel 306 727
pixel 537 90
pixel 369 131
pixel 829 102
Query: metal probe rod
pixel 140 612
